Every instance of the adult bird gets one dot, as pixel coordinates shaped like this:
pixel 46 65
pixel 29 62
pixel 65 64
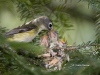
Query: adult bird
pixel 28 31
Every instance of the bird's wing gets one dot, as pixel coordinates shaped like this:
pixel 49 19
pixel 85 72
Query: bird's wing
pixel 21 29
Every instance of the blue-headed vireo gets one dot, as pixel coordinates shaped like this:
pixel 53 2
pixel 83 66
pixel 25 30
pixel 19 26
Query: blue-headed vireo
pixel 28 31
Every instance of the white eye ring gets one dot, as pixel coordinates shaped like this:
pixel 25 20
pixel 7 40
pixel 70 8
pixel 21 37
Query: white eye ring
pixel 50 25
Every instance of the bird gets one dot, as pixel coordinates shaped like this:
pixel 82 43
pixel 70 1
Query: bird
pixel 44 41
pixel 28 31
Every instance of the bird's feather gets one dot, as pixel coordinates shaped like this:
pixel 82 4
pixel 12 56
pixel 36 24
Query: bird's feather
pixel 21 29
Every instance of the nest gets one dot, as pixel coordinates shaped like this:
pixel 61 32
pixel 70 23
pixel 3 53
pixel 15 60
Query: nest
pixel 55 54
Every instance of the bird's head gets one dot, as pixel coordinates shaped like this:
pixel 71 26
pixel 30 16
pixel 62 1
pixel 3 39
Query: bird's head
pixel 44 22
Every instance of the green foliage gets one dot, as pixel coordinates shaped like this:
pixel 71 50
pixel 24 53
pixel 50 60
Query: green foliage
pixel 96 7
pixel 30 8
pixel 94 3
pixel 98 27
pixel 36 50
pixel 2 37
pixel 22 58
pixel 18 64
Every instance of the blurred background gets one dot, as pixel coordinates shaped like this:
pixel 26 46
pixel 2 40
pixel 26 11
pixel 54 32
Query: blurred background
pixel 77 21
pixel 73 19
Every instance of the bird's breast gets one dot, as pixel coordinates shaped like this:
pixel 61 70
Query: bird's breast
pixel 27 36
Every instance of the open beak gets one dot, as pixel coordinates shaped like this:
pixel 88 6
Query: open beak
pixel 44 41
pixel 53 35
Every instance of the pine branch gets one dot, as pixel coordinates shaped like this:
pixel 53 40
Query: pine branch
pixel 95 4
pixel 66 70
pixel 79 47
pixel 30 8
pixel 98 28
pixel 96 7
pixel 23 63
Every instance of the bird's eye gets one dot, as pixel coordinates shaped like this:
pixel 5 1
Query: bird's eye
pixel 50 25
